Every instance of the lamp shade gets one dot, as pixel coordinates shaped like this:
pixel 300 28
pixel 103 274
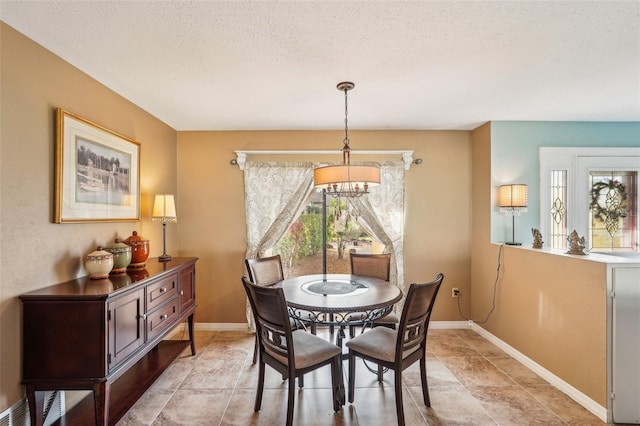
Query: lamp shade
pixel 514 196
pixel 164 208
pixel 345 173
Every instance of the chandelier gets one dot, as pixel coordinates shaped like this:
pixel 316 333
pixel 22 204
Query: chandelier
pixel 346 180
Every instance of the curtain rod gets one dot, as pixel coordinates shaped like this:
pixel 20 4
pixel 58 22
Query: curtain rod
pixel 407 155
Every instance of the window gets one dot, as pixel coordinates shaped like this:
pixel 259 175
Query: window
pixel 613 211
pixel 593 191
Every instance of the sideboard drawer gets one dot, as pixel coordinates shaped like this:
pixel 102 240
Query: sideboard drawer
pixel 162 318
pixel 162 291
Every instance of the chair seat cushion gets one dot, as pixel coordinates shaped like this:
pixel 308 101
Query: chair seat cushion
pixel 309 350
pixel 379 343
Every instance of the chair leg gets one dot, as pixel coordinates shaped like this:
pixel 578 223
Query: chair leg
pixel 399 407
pixel 291 387
pixel 380 373
pixel 255 350
pixel 301 381
pixel 335 379
pixel 423 378
pixel 258 402
pixel 352 375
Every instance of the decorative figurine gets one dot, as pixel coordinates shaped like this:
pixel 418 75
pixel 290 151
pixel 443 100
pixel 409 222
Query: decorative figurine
pixel 537 238
pixel 576 244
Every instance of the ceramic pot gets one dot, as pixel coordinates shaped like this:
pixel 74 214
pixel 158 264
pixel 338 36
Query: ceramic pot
pixel 121 256
pixel 139 250
pixel 98 264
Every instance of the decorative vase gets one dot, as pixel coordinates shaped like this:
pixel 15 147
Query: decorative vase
pixel 98 264
pixel 121 256
pixel 139 250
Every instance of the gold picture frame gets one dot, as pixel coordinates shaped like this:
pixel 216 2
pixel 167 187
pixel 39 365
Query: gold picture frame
pixel 97 173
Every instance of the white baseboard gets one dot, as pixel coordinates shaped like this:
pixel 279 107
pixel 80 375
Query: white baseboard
pixel 241 326
pixel 230 326
pixel 448 325
pixel 573 393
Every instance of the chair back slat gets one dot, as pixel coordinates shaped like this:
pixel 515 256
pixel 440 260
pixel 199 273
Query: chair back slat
pixel 414 322
pixel 371 265
pixel 272 320
pixel 265 271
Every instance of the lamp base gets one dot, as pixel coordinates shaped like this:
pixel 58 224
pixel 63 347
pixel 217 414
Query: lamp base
pixel 513 244
pixel 164 258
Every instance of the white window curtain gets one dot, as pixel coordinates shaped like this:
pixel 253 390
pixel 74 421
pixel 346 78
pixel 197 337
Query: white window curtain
pixel 275 194
pixel 381 213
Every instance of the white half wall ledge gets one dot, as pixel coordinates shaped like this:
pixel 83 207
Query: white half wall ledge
pixel 407 155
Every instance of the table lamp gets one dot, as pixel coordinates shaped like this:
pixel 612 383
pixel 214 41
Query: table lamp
pixel 512 200
pixel 164 210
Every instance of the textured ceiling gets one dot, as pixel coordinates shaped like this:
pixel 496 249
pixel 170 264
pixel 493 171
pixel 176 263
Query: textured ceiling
pixel 212 65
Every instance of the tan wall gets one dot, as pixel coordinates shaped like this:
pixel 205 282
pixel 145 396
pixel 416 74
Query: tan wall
pixel 551 308
pixel 437 222
pixel 34 252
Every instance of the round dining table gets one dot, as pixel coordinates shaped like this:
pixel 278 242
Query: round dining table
pixel 338 300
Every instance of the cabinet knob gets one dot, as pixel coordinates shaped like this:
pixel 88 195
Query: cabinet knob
pixel 163 290
pixel 181 292
pixel 142 316
pixel 163 317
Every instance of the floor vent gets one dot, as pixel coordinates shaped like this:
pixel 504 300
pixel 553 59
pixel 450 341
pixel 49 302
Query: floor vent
pixel 18 414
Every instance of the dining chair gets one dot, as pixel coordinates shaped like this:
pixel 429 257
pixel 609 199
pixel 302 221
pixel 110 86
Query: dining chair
pixel 375 266
pixel 292 353
pixel 398 349
pixel 265 271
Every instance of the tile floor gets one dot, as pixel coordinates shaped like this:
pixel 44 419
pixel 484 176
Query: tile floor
pixel 471 382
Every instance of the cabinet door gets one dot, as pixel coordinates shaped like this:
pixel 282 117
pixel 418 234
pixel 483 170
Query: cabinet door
pixel 126 326
pixel 187 288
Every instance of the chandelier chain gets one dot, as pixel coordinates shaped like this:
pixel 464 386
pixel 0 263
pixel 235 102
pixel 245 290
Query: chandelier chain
pixel 346 120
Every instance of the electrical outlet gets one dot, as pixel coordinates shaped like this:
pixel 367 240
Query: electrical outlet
pixel 455 292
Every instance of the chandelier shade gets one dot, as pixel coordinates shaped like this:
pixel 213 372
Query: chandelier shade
pixel 346 180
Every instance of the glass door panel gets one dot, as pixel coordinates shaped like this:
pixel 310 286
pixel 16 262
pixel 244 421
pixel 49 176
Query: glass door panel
pixel 322 237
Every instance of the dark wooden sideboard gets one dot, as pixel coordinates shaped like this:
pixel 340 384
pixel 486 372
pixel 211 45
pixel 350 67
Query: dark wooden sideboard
pixel 105 336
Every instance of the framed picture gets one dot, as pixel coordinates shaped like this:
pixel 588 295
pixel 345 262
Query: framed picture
pixel 97 173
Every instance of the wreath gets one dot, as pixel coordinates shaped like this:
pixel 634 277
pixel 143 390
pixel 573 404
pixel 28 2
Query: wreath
pixel 615 200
